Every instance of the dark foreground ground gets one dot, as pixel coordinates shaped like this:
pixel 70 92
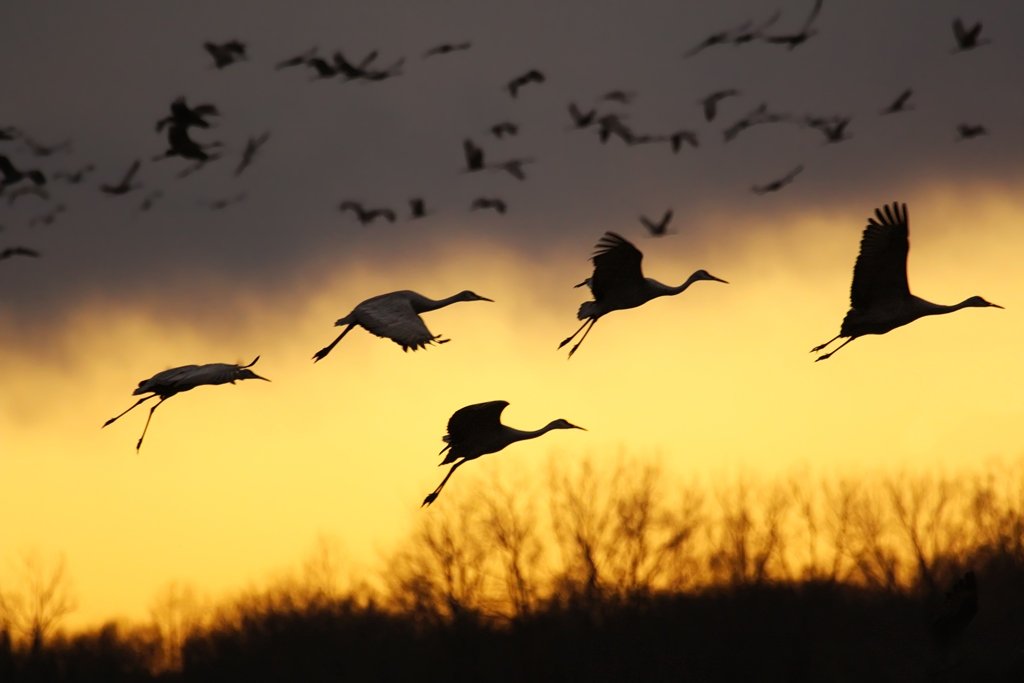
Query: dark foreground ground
pixel 806 632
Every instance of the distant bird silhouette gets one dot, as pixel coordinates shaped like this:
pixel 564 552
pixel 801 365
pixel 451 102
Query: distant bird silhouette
pixel 224 202
pixel 498 205
pixel 390 71
pixel 531 76
pixel 447 48
pixel 900 103
pixel 252 146
pixel 778 184
pixel 620 96
pixel 676 139
pixel 350 70
pixel 27 190
pixel 499 130
pixel 967 38
pixel 322 67
pixel 297 60
pixel 366 216
pixel 226 54
pixel 956 612
pixel 41 150
pixel 417 208
pixel 10 252
pixel 580 118
pixel 47 218
pixel 396 316
pixel 758 116
pixel 514 167
pixel 612 124
pixel 176 380
pixel 752 33
pixel 477 430
pixel 793 40
pixel 184 116
pixel 880 298
pixel 474 155
pixel 718 38
pixel 125 185
pixel 12 175
pixel 710 103
pixel 150 199
pixel 660 228
pixel 74 177
pixel 967 131
pixel 618 283
pixel 834 128
pixel 180 144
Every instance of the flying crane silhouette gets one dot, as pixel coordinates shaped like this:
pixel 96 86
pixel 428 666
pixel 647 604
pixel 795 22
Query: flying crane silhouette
pixel 880 298
pixel 619 283
pixel 477 430
pixel 176 380
pixel 395 316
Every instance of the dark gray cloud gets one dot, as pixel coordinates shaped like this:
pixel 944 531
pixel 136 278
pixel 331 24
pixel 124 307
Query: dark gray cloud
pixel 102 73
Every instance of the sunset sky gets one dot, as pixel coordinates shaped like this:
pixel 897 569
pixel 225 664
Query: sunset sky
pixel 236 482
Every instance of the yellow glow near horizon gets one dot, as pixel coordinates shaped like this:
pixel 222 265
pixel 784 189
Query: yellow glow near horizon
pixel 235 482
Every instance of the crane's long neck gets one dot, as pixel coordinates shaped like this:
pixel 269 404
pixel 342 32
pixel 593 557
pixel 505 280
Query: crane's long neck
pixel 929 308
pixel 521 435
pixel 666 290
pixel 426 304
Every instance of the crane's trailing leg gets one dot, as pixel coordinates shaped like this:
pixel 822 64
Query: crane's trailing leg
pixel 573 335
pixel 819 347
pixel 577 344
pixel 432 496
pixel 138 446
pixel 319 355
pixel 134 405
pixel 829 354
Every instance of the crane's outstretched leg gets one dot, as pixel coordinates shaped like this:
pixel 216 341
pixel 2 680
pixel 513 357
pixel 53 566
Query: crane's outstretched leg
pixel 577 344
pixel 829 354
pixel 819 347
pixel 432 496
pixel 146 398
pixel 319 355
pixel 139 444
pixel 573 335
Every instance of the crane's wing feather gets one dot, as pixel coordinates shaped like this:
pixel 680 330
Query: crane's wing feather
pixel 616 265
pixel 880 273
pixel 479 418
pixel 165 378
pixel 393 317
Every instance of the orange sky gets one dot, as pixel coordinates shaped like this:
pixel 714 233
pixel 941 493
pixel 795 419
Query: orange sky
pixel 236 482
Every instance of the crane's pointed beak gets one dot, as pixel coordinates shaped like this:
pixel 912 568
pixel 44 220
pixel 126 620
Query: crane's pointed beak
pixel 255 376
pixel 577 427
pixel 995 305
pixel 718 279
pixel 484 298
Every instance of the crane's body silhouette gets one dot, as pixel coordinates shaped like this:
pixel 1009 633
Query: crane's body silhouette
pixel 176 380
pixel 880 298
pixel 396 316
pixel 477 430
pixel 619 283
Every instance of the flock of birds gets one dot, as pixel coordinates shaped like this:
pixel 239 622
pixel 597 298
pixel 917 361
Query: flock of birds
pixel 880 301
pixel 180 124
pixel 880 295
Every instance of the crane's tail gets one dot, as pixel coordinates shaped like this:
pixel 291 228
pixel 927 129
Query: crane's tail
pixel 588 309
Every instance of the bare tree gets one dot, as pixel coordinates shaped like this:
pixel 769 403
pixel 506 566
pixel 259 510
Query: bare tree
pixel 35 608
pixel 176 613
